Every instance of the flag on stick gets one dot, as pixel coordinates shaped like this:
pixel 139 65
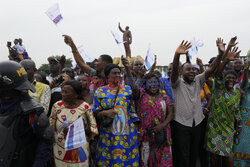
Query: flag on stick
pixel 150 58
pixel 54 13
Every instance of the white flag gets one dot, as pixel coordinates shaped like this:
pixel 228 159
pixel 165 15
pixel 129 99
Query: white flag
pixel 117 37
pixel 193 51
pixel 54 13
pixel 85 57
pixel 150 58
pixel 163 74
pixel 76 135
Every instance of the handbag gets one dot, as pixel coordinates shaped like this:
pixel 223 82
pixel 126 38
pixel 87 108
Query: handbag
pixel 160 137
pixel 107 121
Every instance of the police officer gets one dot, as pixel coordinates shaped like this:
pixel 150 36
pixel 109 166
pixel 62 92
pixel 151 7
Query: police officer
pixel 26 138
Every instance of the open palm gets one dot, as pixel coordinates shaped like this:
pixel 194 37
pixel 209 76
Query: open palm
pixel 183 47
pixel 233 54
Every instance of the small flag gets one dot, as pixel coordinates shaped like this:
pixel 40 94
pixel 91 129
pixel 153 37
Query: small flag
pixel 85 57
pixel 54 13
pixel 193 51
pixel 117 37
pixel 76 135
pixel 150 58
pixel 163 74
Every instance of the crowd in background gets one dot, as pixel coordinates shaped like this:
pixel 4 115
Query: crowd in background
pixel 194 117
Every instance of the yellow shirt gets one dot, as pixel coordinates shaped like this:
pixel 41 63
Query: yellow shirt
pixel 42 94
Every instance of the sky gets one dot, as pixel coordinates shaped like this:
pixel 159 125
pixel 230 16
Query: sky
pixel 161 23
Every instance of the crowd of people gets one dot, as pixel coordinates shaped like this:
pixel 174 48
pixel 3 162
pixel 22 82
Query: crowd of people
pixel 195 117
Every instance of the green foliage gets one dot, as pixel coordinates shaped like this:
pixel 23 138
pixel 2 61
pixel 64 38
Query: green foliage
pixel 44 68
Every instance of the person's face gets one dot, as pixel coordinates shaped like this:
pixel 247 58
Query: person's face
pixel 188 72
pixel 30 72
pixel 115 73
pixel 138 66
pixel 127 28
pixel 196 72
pixel 230 81
pixel 54 66
pixel 83 80
pixel 38 77
pixel 237 65
pixel 15 41
pixel 68 93
pixel 99 65
pixel 153 85
pixel 170 67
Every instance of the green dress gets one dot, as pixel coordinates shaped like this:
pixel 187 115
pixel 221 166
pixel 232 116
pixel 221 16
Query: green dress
pixel 220 127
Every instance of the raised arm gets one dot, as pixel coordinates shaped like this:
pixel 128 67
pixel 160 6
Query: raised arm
pixel 78 58
pixel 182 49
pixel 130 79
pixel 200 64
pixel 229 46
pixel 187 58
pixel 119 26
pixel 216 63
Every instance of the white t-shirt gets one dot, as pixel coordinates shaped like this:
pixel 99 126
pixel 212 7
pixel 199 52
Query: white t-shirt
pixel 19 49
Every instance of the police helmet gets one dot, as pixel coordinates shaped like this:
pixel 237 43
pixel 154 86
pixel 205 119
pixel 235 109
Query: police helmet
pixel 14 76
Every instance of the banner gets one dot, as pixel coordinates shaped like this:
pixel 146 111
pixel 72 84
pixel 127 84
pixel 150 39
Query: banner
pixel 54 13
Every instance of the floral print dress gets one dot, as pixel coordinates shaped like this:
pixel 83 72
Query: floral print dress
pixel 118 143
pixel 152 112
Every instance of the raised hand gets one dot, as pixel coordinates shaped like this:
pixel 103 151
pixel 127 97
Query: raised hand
pixel 68 40
pixel 233 54
pixel 221 45
pixel 232 42
pixel 125 62
pixel 62 59
pixel 199 62
pixel 183 47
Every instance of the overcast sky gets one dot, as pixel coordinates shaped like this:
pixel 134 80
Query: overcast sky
pixel 162 23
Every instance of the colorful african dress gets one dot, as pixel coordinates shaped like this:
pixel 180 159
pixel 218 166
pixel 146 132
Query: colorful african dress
pixel 118 143
pixel 224 112
pixel 242 149
pixel 78 157
pixel 204 92
pixel 151 113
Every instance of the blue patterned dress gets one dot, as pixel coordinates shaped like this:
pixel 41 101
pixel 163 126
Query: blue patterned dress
pixel 242 149
pixel 118 143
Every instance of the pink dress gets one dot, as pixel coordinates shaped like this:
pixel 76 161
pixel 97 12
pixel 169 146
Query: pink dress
pixel 153 111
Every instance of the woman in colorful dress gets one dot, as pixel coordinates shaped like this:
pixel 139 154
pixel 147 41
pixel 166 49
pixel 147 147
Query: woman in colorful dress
pixel 224 114
pixel 63 113
pixel 155 112
pixel 241 149
pixel 118 141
